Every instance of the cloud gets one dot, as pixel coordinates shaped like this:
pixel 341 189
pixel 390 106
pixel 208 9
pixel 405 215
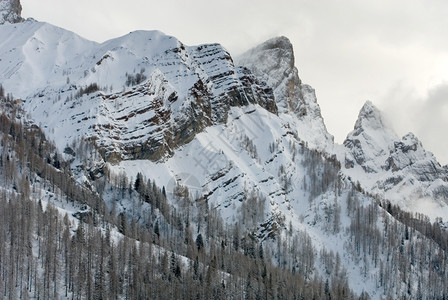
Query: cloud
pixel 426 116
pixel 433 126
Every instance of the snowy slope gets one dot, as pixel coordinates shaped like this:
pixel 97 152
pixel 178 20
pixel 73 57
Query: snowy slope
pixel 216 164
pixel 138 96
pixel 41 55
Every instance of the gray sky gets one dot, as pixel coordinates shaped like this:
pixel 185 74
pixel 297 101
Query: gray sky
pixel 394 53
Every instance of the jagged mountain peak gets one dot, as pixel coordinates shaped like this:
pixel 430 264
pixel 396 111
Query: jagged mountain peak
pixel 375 146
pixel 10 11
pixel 281 47
pixel 409 153
pixel 279 42
pixel 370 117
pixel 399 169
pixel 277 57
pixel 410 142
pixel 370 140
pixel 273 62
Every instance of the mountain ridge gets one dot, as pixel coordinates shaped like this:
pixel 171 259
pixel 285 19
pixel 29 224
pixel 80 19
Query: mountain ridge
pixel 203 78
pixel 205 158
pixel 204 83
pixel 273 62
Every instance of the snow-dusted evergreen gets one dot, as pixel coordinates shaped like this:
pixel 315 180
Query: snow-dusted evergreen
pixel 183 171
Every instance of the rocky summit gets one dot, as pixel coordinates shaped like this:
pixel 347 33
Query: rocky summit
pixel 273 62
pixel 392 167
pixel 10 11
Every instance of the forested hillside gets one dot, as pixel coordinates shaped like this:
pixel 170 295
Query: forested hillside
pixel 60 239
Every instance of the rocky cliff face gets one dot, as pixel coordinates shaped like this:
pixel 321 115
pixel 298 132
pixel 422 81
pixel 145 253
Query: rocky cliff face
pixel 148 94
pixel 154 118
pixel 138 97
pixel 10 11
pixel 273 62
pixel 396 168
pixel 371 141
pixel 181 101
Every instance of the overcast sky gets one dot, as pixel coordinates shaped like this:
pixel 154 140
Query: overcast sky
pixel 394 53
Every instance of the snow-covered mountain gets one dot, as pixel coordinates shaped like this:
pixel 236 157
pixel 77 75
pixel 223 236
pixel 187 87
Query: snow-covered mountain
pixel 139 96
pixel 273 63
pixel 399 170
pixel 242 137
pixel 189 110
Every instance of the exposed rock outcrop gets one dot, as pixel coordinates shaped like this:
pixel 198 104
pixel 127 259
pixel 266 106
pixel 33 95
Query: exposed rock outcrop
pixel 10 11
pixel 371 140
pixel 273 62
pixel 165 92
pixel 390 163
pixel 179 106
